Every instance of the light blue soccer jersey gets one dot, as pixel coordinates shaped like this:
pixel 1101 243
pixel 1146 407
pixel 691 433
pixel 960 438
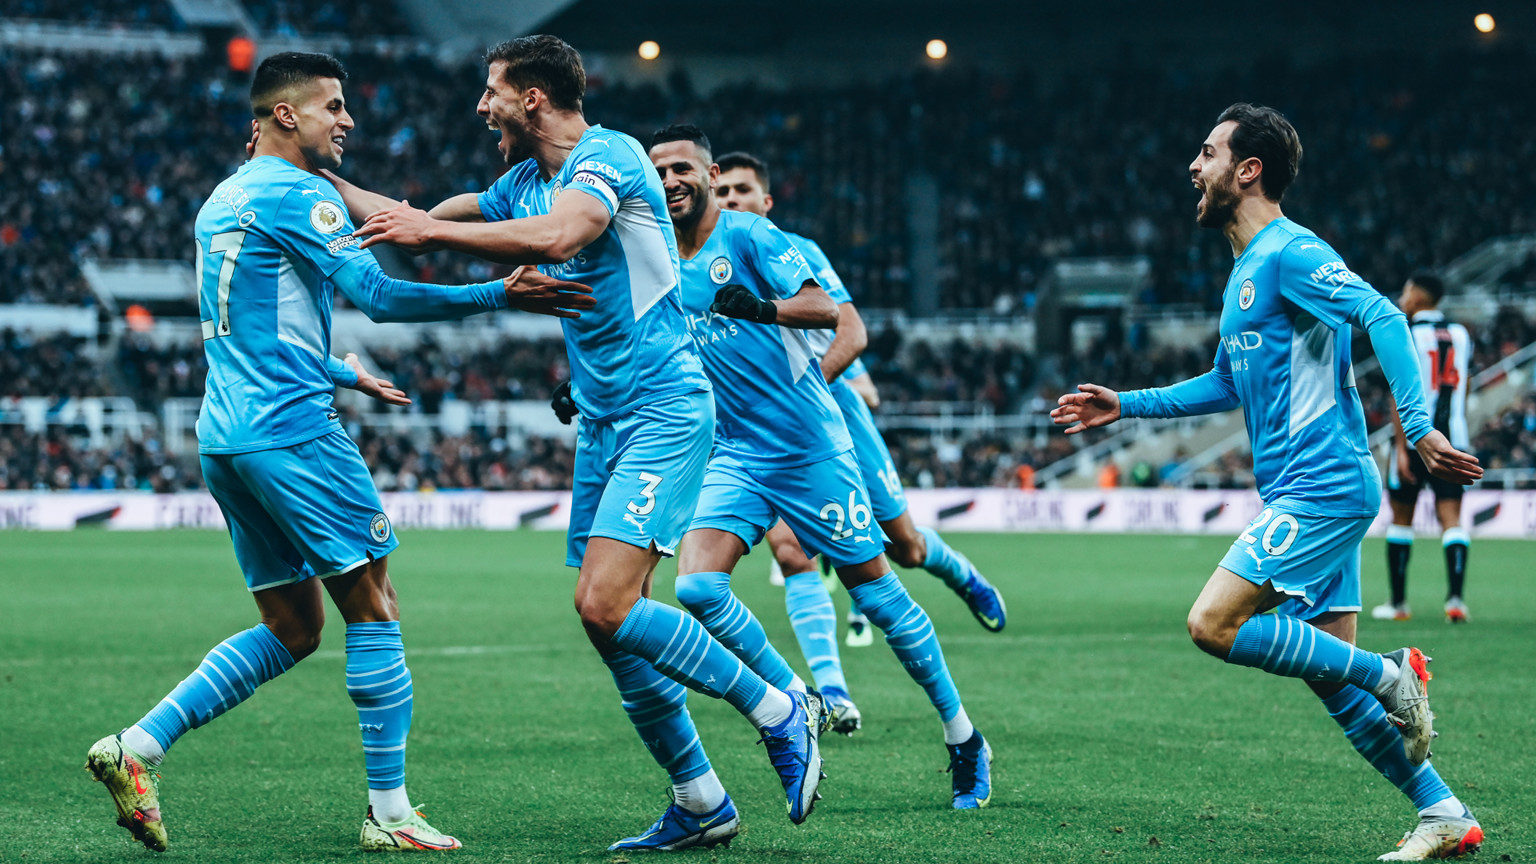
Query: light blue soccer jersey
pixel 633 349
pixel 273 242
pixel 1284 356
pixel 826 274
pixel 772 406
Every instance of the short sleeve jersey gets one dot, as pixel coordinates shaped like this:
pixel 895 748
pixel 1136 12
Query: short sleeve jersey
pixel 1285 342
pixel 268 240
pixel 773 408
pixel 1444 348
pixel 633 349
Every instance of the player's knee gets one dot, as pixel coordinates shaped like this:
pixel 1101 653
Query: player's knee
pixel 699 592
pixel 300 638
pixel 906 553
pixel 1210 635
pixel 599 617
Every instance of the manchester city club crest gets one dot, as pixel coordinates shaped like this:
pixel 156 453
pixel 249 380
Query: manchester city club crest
pixel 1245 295
pixel 720 270
pixel 378 527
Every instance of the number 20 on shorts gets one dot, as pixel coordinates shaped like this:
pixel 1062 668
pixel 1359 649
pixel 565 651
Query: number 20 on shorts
pixel 1275 522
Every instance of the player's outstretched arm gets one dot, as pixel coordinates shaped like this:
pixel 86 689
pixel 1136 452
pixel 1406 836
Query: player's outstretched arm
pixel 1089 408
pixel 572 224
pixel 1387 328
pixel 848 342
pixel 459 208
pixel 385 299
pixel 349 373
pixel 360 202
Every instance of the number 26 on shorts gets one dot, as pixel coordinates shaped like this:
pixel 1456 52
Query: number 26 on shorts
pixel 857 513
pixel 1275 523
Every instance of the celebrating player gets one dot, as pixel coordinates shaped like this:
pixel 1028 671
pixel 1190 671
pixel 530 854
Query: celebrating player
pixel 584 201
pixel 1284 356
pixel 1443 348
pixel 782 448
pixel 272 241
pixel 744 185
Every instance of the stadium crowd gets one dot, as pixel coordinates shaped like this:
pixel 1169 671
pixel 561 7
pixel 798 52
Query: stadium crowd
pixel 1105 175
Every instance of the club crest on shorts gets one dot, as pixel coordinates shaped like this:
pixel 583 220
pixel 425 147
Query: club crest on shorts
pixel 378 528
pixel 1245 295
pixel 326 217
pixel 720 270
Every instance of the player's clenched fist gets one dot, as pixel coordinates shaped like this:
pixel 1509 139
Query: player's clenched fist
pixel 738 301
pixel 1088 408
pixel 564 404
pixel 531 291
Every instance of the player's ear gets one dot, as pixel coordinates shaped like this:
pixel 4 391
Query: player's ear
pixel 1249 171
pixel 532 98
pixel 767 203
pixel 714 175
pixel 285 115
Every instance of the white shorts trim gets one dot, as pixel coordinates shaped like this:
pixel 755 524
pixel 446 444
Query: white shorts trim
pixel 347 569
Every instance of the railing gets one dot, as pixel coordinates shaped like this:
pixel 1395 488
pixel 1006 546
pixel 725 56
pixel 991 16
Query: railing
pixel 103 418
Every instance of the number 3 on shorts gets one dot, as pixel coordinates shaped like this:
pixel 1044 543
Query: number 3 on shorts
pixel 1292 529
pixel 651 481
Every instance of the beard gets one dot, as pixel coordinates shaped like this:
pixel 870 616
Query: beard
pixel 1220 202
pixel 518 149
pixel 694 211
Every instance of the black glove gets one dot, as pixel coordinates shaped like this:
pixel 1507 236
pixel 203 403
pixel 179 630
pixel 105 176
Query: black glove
pixel 564 405
pixel 738 301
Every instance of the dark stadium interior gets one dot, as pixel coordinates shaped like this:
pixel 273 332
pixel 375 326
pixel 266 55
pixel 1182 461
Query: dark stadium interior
pixel 1417 137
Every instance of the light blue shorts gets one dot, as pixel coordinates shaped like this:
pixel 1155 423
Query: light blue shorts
pixel 824 503
pixel 880 478
pixel 1313 559
pixel 301 511
pixel 637 476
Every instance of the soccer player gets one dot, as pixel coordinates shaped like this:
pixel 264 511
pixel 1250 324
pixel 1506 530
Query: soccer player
pixel 1443 348
pixel 744 185
pixel 1284 356
pixel 273 242
pixel 782 449
pixel 584 202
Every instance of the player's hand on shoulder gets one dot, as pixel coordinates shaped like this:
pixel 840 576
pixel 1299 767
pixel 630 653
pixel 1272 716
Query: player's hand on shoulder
pixel 564 404
pixel 381 389
pixel 405 226
pixel 530 290
pixel 1092 406
pixel 1446 462
pixel 738 301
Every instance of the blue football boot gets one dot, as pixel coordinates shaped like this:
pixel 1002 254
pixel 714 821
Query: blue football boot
pixel 970 769
pixel 794 748
pixel 679 829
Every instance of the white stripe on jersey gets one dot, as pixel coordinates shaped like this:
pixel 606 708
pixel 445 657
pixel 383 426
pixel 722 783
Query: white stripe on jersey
pixel 1312 390
pixel 298 313
pixel 646 254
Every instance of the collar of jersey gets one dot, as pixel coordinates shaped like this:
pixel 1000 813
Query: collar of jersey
pixel 1255 241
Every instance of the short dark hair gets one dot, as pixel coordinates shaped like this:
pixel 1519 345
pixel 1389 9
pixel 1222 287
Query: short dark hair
pixel 741 159
pixel 1431 284
pixel 1265 134
pixel 279 74
pixel 546 62
pixel 682 132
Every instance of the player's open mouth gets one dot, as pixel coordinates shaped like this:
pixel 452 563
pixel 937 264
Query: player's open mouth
pixel 678 197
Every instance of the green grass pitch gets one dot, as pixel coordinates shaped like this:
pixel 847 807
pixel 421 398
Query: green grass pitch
pixel 1115 739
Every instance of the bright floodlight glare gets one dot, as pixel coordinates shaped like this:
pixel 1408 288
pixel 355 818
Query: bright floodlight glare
pixel 937 49
pixel 649 50
pixel 1484 23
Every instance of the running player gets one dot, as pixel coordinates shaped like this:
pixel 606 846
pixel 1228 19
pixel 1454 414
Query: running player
pixel 1284 357
pixel 585 202
pixel 273 241
pixel 1443 348
pixel 782 448
pixel 744 185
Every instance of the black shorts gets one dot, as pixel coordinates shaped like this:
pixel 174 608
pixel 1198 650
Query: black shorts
pixel 1406 491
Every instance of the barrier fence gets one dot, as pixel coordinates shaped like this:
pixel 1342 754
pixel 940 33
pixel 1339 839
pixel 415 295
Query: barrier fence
pixel 1486 513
